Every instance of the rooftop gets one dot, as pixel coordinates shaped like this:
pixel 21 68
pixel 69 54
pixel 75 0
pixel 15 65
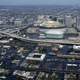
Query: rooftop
pixel 51 24
pixel 36 56
pixel 28 75
pixel 56 31
pixel 71 30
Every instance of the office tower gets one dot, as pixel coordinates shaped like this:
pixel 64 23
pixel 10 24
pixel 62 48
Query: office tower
pixel 68 20
pixel 78 23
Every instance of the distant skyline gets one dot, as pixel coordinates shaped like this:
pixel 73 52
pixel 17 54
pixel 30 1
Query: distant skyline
pixel 39 2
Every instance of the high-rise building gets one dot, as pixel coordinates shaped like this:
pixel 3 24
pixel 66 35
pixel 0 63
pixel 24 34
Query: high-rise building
pixel 18 22
pixel 68 20
pixel 78 23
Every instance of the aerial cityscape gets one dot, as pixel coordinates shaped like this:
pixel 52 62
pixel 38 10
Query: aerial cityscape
pixel 40 42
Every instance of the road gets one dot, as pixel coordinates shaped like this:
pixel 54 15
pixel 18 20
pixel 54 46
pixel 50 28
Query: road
pixel 62 41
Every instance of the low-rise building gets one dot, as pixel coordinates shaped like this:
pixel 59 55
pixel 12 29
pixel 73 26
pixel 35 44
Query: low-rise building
pixel 26 75
pixel 36 57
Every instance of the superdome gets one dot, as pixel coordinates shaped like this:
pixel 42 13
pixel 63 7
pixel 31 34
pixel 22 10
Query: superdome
pixel 50 24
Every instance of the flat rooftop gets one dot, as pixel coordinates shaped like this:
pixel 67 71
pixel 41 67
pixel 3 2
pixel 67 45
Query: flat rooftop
pixel 36 56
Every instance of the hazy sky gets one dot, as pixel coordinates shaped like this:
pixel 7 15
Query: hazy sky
pixel 39 2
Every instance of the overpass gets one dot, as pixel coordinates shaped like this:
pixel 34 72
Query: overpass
pixel 13 29
pixel 62 41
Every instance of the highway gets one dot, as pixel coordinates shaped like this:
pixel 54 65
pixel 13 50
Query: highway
pixel 62 41
pixel 13 29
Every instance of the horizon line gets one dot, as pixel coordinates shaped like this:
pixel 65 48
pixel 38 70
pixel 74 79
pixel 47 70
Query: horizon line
pixel 39 5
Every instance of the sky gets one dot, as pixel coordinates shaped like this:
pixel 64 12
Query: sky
pixel 39 2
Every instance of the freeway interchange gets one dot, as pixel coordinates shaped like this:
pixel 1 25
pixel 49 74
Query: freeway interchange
pixel 36 40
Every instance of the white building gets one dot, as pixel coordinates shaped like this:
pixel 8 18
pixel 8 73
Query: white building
pixel 55 33
pixel 18 22
pixel 76 47
pixel 68 20
pixel 36 57
pixel 78 23
pixel 1 22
